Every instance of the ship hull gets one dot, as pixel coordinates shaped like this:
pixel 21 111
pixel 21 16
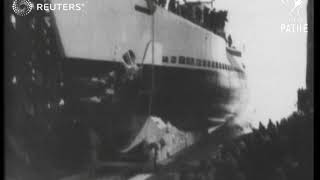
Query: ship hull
pixel 59 106
pixel 188 98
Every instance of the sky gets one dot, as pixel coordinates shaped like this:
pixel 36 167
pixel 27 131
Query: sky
pixel 275 60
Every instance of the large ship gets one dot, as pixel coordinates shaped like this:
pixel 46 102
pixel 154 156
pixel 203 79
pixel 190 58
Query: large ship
pixel 179 67
pixel 124 60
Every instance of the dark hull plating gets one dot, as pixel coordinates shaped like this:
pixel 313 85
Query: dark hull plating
pixel 186 97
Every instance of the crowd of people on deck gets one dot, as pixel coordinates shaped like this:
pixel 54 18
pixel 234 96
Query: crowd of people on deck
pixel 211 19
